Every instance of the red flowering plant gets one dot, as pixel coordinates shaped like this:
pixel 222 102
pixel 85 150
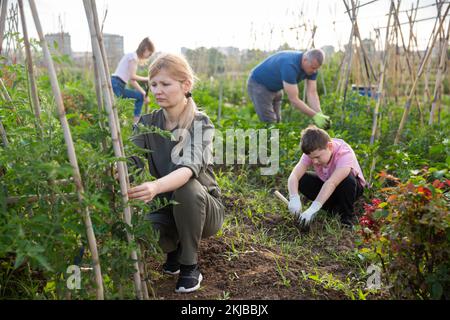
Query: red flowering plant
pixel 409 233
pixel 370 226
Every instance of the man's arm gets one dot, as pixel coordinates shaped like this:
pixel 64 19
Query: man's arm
pixel 312 95
pixel 292 93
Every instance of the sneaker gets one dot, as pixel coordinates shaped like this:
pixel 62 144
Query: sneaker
pixel 171 269
pixel 189 279
pixel 172 266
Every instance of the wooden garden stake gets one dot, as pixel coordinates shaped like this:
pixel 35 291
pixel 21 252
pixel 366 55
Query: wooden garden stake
pixel 413 89
pixel 380 91
pixel 116 139
pixel 104 59
pixel 381 81
pixel 439 77
pixel 30 69
pixel 3 134
pixel 70 151
pixel 3 13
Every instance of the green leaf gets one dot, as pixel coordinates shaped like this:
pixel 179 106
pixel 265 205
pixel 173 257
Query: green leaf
pixel 439 174
pixel 380 214
pixel 19 260
pixel 437 149
pixel 50 287
pixel 436 290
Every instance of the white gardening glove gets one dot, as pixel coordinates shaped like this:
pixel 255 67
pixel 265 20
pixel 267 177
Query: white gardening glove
pixel 308 215
pixel 295 205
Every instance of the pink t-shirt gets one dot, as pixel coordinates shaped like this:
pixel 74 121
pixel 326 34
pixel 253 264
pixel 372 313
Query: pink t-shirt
pixel 343 156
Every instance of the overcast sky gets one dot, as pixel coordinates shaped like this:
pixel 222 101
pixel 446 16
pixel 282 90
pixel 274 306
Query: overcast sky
pixel 263 24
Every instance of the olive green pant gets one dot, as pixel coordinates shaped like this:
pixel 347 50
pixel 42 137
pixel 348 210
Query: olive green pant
pixel 197 215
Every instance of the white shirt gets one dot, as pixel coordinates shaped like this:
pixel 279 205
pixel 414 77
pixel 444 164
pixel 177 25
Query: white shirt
pixel 123 68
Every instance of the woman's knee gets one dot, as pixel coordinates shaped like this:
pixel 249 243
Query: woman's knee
pixel 191 193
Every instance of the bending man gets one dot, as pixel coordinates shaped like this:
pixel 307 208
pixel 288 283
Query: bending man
pixel 284 70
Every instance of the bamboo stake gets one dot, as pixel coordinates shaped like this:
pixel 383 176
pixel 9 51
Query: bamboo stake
pixel 115 135
pixel 396 9
pixel 109 100
pixel 439 102
pixel 395 70
pixel 412 21
pixel 3 134
pixel 427 95
pixel 105 63
pixel 407 54
pixel 98 91
pixel 70 151
pixel 424 62
pixel 36 198
pixel 339 73
pixel 143 281
pixel 439 77
pixel 144 275
pixel 358 36
pixel 3 13
pixel 380 92
pixel 104 58
pixel 4 94
pixel 381 81
pixel 30 69
pixel 347 75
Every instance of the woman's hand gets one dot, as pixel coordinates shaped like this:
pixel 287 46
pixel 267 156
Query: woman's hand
pixel 145 192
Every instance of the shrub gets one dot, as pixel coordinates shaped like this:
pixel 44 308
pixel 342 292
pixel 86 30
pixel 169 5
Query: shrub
pixel 410 234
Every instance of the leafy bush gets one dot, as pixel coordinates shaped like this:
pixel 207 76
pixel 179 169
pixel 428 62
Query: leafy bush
pixel 410 233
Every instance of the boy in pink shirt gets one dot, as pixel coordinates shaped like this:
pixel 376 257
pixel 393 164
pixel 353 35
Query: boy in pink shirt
pixel 336 183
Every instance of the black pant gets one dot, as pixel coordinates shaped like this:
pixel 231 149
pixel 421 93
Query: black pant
pixel 341 201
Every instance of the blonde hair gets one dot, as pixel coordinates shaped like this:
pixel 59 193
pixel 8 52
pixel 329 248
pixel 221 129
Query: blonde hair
pixel 179 69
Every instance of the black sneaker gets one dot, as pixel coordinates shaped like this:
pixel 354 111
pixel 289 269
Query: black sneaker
pixel 171 269
pixel 189 279
pixel 172 266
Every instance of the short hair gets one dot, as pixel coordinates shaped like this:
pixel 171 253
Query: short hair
pixel 145 44
pixel 315 54
pixel 313 138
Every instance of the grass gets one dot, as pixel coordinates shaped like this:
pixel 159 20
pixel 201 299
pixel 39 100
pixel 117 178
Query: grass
pixel 320 260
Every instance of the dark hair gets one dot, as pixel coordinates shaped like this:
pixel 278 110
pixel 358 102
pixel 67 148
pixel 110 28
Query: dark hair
pixel 145 44
pixel 313 138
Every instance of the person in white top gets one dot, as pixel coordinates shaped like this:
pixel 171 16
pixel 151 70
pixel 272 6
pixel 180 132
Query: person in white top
pixel 126 73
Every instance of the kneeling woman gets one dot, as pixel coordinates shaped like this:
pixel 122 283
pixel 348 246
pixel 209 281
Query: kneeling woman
pixel 183 169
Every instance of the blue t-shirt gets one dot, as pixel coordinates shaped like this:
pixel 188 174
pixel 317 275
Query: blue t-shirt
pixel 279 67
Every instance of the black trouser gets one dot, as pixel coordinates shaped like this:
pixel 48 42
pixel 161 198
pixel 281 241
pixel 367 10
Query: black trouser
pixel 341 201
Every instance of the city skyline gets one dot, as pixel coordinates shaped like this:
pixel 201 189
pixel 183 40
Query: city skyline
pixel 260 24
